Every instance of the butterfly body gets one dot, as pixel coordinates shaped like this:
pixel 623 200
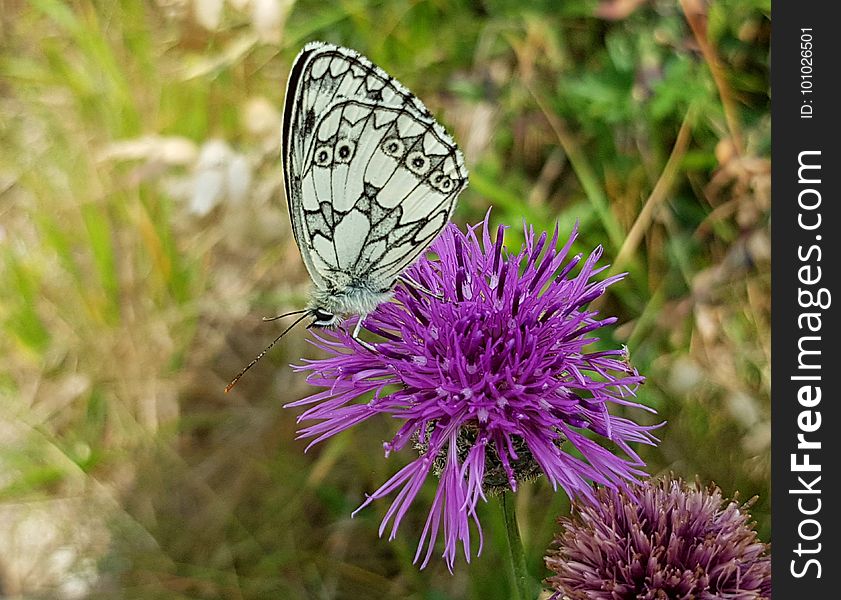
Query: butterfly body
pixel 371 178
pixel 329 307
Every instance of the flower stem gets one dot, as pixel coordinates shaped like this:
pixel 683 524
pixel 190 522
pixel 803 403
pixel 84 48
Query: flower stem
pixel 515 546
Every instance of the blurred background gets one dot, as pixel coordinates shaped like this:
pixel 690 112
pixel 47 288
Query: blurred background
pixel 144 233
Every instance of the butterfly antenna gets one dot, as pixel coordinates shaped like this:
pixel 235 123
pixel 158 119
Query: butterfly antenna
pixel 269 347
pixel 289 314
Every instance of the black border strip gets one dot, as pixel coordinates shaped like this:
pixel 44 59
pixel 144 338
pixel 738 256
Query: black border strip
pixel 805 240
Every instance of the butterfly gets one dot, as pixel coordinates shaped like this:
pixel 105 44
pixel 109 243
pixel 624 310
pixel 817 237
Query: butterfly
pixel 371 179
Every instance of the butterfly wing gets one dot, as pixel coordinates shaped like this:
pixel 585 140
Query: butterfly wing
pixel 371 177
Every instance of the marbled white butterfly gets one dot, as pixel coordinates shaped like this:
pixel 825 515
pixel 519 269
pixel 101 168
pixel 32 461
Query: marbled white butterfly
pixel 371 179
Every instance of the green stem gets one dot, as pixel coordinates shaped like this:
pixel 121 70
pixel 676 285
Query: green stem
pixel 515 546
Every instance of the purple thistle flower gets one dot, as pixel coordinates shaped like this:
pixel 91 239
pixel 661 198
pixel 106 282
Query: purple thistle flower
pixel 660 540
pixel 489 377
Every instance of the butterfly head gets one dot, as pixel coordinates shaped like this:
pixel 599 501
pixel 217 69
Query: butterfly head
pixel 329 306
pixel 323 318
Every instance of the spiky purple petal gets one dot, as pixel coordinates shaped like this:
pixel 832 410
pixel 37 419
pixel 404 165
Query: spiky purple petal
pixel 489 374
pixel 659 540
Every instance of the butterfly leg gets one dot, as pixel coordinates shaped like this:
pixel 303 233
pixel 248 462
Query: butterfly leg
pixel 355 336
pixel 414 284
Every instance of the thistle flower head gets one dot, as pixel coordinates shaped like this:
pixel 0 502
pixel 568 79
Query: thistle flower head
pixel 659 540
pixel 488 372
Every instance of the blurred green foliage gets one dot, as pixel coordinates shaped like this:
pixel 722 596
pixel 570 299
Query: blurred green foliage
pixel 125 309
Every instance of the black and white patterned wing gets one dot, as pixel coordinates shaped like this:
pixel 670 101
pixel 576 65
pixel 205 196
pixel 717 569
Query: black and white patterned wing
pixel 371 177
